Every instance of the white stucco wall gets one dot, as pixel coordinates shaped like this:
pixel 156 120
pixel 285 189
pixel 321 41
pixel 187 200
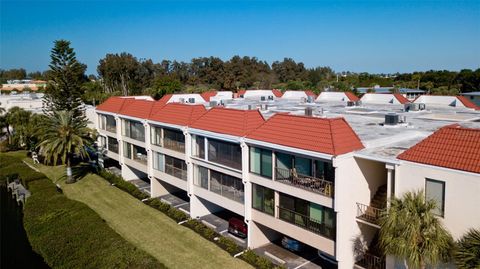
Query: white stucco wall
pixel 462 193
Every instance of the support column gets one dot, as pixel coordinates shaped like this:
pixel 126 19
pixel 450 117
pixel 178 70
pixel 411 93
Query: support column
pixel 390 181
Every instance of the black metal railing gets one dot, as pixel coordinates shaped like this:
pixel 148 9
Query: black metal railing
pixel 370 261
pixel 176 172
pixel 306 222
pixel 174 145
pixel 310 183
pixel 369 213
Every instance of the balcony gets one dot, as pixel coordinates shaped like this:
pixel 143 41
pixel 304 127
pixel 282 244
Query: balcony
pixel 306 222
pixel 176 172
pixel 111 128
pixel 318 185
pixel 174 145
pixel 113 147
pixel 370 261
pixel 369 214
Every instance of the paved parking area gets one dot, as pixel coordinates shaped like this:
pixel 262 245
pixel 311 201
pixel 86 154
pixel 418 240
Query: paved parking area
pixel 141 185
pixel 219 222
pixel 177 200
pixel 307 259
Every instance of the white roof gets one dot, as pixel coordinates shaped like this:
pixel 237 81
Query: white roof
pixel 437 100
pixel 256 94
pixel 294 95
pixel 176 98
pixel 333 96
pixel 375 98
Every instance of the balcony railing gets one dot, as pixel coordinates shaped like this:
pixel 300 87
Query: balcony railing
pixel 113 148
pixel 110 128
pixel 141 158
pixel 306 222
pixel 229 192
pixel 370 261
pixel 174 145
pixel 176 172
pixel 369 213
pixel 310 183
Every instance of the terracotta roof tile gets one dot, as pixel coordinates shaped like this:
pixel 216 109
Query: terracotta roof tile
pixel 179 114
pixel 241 92
pixel 331 136
pixel 207 95
pixel 452 147
pixel 112 104
pixel 229 121
pixel 310 93
pixel 352 96
pixel 402 99
pixel 277 93
pixel 468 103
pixel 137 108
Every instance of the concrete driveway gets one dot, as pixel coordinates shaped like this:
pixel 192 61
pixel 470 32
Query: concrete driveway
pixel 307 259
pixel 219 222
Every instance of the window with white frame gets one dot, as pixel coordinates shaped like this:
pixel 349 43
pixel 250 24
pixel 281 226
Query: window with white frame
pixel 435 190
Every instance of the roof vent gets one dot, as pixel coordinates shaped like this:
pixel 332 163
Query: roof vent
pixel 308 111
pixel 191 100
pixel 391 119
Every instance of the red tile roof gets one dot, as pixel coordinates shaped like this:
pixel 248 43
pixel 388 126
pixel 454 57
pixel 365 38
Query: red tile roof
pixel 137 108
pixel 179 114
pixel 165 98
pixel 402 99
pixel 468 103
pixel 452 147
pixel 229 121
pixel 207 95
pixel 332 136
pixel 112 104
pixel 310 93
pixel 352 96
pixel 241 92
pixel 277 93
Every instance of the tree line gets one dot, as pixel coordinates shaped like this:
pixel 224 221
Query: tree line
pixel 125 74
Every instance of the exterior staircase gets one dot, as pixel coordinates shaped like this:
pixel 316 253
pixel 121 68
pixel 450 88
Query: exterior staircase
pixel 378 203
pixel 379 200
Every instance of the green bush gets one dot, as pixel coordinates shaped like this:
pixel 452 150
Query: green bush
pixel 123 185
pixel 257 261
pixel 229 245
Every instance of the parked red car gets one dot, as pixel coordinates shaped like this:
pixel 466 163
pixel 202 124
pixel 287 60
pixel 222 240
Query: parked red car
pixel 237 227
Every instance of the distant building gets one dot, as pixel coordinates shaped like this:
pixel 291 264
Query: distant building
pixel 473 97
pixel 23 85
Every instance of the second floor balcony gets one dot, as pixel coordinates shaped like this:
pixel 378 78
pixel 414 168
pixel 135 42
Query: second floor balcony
pixel 306 222
pixel 370 261
pixel 176 172
pixel 369 214
pixel 292 177
pixel 174 144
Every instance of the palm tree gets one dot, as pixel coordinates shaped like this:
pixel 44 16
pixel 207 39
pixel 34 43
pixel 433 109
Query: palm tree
pixel 467 254
pixel 63 136
pixel 409 230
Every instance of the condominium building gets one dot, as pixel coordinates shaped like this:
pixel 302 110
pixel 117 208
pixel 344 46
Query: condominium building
pixel 320 171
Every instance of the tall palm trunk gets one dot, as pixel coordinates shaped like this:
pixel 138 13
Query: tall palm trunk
pixel 70 178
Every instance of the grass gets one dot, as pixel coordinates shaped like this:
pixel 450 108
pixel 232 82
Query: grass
pixel 148 229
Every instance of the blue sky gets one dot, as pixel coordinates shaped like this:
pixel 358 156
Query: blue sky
pixel 372 36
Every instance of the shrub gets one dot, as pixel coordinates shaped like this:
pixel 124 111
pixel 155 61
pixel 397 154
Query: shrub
pixel 229 245
pixel 68 234
pixel 257 261
pixel 123 185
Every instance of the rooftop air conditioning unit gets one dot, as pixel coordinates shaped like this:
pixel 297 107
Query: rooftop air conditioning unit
pixel 391 119
pixel 350 103
pixel 358 103
pixel 181 100
pixel 422 106
pixel 264 107
pixel 270 97
pixel 252 107
pixel 310 99
pixel 303 99
pixel 213 103
pixel 308 111
pixel 191 100
pixel 262 98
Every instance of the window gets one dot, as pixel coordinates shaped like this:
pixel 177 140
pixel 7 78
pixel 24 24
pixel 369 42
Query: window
pixel 112 144
pixel 175 167
pixel 127 150
pixel 229 154
pixel 174 140
pixel 261 162
pixel 156 135
pixel 202 177
pixel 324 170
pixel 263 199
pixel 158 161
pixel 199 149
pixel 107 122
pixel 103 141
pixel 139 154
pixel 134 130
pixel 435 190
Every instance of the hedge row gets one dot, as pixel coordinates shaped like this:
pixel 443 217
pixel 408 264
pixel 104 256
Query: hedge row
pixel 67 233
pixel 14 167
pixel 177 215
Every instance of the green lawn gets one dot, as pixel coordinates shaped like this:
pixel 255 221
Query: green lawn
pixel 172 244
